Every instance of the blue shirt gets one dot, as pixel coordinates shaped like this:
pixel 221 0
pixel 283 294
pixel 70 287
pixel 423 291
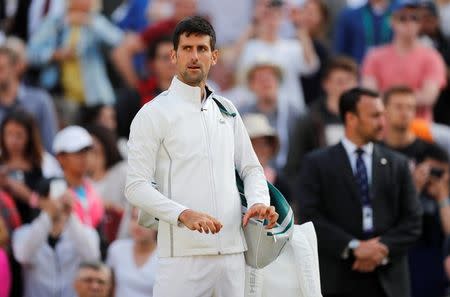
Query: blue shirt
pixel 359 29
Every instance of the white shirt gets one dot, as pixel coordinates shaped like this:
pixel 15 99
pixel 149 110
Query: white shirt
pixel 350 149
pixel 131 280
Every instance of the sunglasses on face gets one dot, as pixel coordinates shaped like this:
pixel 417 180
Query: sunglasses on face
pixel 412 17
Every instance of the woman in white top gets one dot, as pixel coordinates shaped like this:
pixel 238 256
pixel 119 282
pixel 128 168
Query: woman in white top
pixel 134 261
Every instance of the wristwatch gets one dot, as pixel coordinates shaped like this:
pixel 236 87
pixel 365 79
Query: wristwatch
pixel 444 203
pixel 352 245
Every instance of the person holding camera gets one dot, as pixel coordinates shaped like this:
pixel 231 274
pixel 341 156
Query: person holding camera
pixel 430 169
pixel 51 248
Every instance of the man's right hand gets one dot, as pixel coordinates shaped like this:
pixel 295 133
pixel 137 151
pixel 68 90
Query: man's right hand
pixel 199 221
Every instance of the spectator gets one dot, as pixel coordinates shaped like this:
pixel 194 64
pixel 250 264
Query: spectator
pixel 313 15
pixel 161 68
pixel 322 126
pixel 264 80
pixel 359 29
pixel 444 13
pixel 432 182
pixel 22 159
pixel 362 201
pixel 400 103
pixel 223 13
pixel 132 16
pixel 73 43
pixel 93 280
pixel 134 261
pixel 52 246
pixel 266 143
pixel 135 44
pixel 5 272
pixel 406 61
pixel 100 114
pixel 295 57
pixel 107 170
pixel 14 95
pixel 71 147
pixel 29 15
pixel 432 35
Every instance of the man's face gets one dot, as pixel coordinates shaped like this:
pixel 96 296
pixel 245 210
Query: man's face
pixel 406 23
pixel 162 66
pixel 194 58
pixel 74 163
pixel 82 5
pixel 92 283
pixel 400 111
pixel 6 72
pixel 429 23
pixel 264 83
pixel 338 82
pixel 369 119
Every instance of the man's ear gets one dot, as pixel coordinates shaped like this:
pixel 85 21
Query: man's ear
pixel 215 56
pixel 173 56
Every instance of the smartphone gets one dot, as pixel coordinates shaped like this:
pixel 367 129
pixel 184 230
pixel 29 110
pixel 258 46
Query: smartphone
pixel 57 188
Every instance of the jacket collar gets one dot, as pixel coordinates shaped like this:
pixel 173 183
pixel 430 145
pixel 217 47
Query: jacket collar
pixel 185 91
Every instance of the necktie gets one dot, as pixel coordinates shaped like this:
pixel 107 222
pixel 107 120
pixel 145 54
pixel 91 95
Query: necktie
pixel 361 177
pixel 363 185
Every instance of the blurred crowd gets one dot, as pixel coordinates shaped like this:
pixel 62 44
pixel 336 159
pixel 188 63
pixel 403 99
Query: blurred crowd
pixel 73 74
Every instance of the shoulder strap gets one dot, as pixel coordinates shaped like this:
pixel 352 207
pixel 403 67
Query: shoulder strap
pixel 222 108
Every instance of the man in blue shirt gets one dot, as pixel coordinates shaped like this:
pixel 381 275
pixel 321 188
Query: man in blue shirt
pixel 359 29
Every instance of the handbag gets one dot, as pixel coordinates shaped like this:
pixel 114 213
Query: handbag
pixel 264 245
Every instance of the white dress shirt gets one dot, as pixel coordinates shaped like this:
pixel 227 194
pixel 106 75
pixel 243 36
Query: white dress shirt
pixel 350 149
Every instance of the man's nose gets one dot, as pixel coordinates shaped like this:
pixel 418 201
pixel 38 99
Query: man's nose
pixel 194 55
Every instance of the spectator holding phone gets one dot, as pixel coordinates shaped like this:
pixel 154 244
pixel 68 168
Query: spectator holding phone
pixel 71 147
pixel 51 248
pixel 21 161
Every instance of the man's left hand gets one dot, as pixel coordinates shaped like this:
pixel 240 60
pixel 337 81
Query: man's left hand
pixel 261 211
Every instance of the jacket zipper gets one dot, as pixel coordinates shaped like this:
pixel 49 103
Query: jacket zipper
pixel 205 128
pixel 169 190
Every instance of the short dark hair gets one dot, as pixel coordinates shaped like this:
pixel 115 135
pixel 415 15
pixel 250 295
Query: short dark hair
pixel 342 63
pixel 94 265
pixel 434 152
pixel 396 90
pixel 153 47
pixel 349 100
pixel 108 141
pixel 194 25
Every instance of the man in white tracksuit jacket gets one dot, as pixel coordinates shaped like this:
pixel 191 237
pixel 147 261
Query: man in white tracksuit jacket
pixel 183 153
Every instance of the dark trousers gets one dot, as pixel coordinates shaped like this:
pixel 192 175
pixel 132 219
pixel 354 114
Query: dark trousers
pixel 363 288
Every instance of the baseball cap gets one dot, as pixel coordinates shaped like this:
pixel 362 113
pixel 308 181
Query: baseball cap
pixel 401 4
pixel 71 139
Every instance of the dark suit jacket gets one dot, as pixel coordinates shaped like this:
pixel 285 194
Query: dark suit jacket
pixel 328 196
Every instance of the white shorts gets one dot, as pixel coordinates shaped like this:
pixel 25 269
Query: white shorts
pixel 201 276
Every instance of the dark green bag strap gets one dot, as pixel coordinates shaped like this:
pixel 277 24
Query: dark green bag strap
pixel 223 109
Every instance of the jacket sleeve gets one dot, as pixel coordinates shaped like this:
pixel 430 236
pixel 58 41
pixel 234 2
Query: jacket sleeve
pixel 28 239
pixel 409 223
pixel 85 238
pixel 333 240
pixel 43 42
pixel 143 146
pixel 248 166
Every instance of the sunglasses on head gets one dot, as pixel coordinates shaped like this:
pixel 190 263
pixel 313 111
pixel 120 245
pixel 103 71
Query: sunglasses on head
pixel 403 18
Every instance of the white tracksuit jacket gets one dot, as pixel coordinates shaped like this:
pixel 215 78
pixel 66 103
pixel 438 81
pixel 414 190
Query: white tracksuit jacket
pixel 189 150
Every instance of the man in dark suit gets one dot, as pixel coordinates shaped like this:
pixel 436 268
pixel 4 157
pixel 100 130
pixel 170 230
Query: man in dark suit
pixel 362 201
